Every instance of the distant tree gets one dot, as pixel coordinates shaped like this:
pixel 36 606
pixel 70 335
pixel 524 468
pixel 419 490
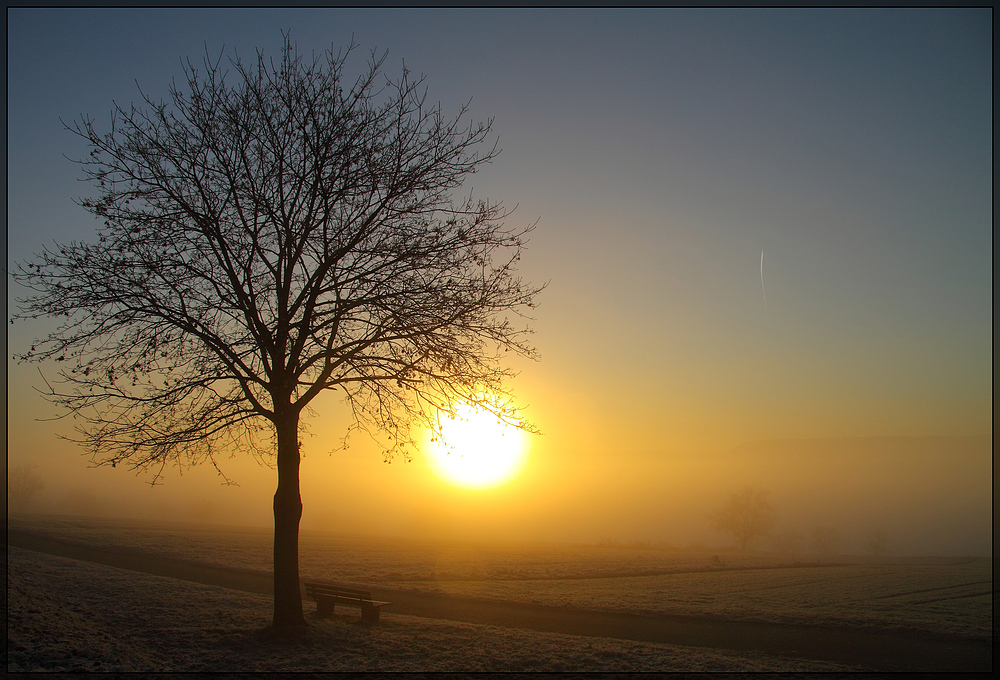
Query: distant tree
pixel 270 233
pixel 748 516
pixel 877 543
pixel 23 483
pixel 790 542
pixel 824 539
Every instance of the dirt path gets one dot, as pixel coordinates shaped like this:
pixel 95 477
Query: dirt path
pixel 882 651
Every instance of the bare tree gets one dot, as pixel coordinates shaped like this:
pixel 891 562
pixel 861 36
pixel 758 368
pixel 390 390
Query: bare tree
pixel 23 483
pixel 269 233
pixel 748 516
pixel 877 543
pixel 824 539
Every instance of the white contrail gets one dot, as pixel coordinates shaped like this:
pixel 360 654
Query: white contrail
pixel 762 279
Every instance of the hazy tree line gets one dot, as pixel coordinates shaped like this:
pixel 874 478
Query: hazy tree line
pixel 749 516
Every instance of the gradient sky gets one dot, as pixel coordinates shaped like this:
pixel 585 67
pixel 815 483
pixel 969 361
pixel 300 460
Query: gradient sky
pixel 660 151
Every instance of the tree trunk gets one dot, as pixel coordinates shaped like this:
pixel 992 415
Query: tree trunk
pixel 287 513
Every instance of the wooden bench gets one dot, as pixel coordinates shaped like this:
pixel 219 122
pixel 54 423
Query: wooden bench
pixel 329 594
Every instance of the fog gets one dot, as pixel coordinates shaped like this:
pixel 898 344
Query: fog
pixel 932 496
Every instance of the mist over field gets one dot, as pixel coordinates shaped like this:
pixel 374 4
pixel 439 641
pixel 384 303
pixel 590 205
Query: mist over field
pixel 933 496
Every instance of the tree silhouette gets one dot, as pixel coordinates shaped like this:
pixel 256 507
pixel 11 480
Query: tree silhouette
pixel 269 233
pixel 23 483
pixel 748 515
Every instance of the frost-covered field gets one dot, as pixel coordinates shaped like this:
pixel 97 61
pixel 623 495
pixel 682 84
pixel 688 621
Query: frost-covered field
pixel 954 598
pixel 938 595
pixel 69 615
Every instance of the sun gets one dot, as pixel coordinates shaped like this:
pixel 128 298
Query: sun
pixel 478 450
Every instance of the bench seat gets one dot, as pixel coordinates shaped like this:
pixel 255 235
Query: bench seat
pixel 327 595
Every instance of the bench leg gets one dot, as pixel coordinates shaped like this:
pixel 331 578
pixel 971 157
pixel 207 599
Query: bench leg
pixel 369 613
pixel 324 607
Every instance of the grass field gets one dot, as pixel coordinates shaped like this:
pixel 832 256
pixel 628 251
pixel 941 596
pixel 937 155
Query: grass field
pixel 945 595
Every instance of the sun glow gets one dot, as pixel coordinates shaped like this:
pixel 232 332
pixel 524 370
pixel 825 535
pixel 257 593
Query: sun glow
pixel 476 449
